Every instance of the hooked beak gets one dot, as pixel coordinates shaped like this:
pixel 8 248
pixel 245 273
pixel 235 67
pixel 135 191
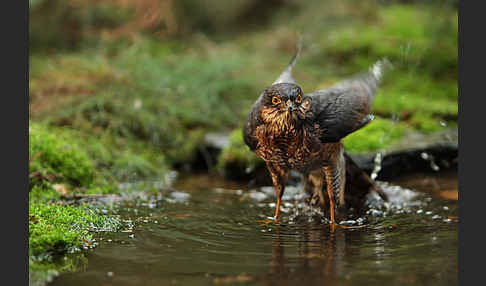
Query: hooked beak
pixel 290 106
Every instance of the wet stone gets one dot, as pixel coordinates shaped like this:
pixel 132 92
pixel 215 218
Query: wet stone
pixel 348 222
pixel 179 196
pixel 258 196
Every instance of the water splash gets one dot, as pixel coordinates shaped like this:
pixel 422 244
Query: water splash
pixel 377 165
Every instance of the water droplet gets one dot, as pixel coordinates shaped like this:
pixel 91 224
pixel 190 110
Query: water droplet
pixel 430 158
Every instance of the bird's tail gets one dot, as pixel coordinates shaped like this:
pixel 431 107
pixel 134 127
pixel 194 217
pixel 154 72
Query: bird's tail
pixel 286 75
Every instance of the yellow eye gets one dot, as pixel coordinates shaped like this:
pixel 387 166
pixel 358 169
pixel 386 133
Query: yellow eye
pixel 298 99
pixel 275 100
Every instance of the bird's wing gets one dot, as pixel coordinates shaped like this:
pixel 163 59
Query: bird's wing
pixel 345 107
pixel 286 75
pixel 253 120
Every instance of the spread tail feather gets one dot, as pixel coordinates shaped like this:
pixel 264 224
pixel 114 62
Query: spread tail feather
pixel 286 75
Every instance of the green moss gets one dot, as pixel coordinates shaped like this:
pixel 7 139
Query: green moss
pixel 57 157
pixel 426 123
pixel 378 134
pixel 57 229
pixel 121 159
pixel 86 163
pixel 43 192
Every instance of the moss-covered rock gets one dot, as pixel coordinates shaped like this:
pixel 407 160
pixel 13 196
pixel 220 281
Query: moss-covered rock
pixel 377 135
pixel 83 163
pixel 56 229
pixel 54 156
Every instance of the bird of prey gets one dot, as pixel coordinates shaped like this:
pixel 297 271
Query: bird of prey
pixel 291 130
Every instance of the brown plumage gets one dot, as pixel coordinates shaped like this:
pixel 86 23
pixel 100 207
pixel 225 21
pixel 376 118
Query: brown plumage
pixel 292 130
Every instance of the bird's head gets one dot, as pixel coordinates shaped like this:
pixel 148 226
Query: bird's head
pixel 285 100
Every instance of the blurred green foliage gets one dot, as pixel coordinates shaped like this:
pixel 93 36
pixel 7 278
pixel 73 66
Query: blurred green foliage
pixel 123 90
pixel 161 102
pixel 153 77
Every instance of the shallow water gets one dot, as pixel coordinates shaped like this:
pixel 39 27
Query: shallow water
pixel 207 233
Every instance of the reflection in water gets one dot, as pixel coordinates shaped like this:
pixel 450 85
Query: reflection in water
pixel 211 237
pixel 320 258
pixel 414 255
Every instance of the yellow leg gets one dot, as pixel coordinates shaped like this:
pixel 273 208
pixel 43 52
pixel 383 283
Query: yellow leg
pixel 331 204
pixel 330 191
pixel 277 209
pixel 275 218
pixel 279 176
